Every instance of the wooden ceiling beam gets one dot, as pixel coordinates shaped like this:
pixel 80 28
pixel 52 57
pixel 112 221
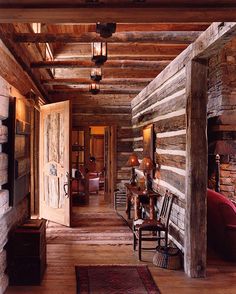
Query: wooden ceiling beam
pixel 125 57
pixel 119 14
pixel 109 89
pixel 106 3
pixel 81 81
pixel 130 27
pixel 101 99
pixel 71 50
pixel 107 73
pixel 102 91
pixel 140 37
pixel 158 65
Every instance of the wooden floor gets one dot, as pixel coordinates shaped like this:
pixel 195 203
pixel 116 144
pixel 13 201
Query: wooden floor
pixel 62 258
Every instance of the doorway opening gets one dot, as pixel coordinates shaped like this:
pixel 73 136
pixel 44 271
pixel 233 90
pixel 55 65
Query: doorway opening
pixel 93 165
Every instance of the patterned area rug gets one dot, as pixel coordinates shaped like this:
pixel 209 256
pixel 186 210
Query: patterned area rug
pixel 115 279
pixel 98 228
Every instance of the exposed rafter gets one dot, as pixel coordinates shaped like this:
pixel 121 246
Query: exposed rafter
pixel 158 65
pixel 81 81
pixel 119 13
pixel 141 37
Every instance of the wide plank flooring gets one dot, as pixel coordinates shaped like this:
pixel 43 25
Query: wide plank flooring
pixel 62 257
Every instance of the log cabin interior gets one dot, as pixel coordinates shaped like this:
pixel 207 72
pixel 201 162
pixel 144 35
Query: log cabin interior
pixel 163 88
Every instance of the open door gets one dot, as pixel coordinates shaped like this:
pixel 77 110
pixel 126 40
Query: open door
pixel 55 203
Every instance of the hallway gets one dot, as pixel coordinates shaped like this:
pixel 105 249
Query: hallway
pixel 63 255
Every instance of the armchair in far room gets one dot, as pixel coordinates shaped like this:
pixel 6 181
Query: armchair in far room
pixel 78 184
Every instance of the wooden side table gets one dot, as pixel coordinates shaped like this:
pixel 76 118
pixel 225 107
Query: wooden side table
pixel 137 196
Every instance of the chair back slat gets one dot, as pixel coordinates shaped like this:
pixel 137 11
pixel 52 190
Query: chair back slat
pixel 166 208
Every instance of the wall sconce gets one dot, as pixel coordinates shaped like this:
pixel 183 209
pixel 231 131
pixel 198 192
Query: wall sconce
pixel 94 88
pixel 99 52
pixel 105 29
pixel 132 162
pixel 96 74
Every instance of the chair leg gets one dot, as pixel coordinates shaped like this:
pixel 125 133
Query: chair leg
pixel 140 245
pixel 166 239
pixel 134 241
pixel 159 240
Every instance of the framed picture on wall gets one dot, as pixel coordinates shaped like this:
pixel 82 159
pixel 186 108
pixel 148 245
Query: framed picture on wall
pixel 148 142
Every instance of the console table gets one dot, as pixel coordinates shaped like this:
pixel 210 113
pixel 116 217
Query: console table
pixel 136 196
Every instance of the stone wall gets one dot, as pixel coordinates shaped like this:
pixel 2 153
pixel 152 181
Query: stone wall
pixel 222 115
pixel 228 178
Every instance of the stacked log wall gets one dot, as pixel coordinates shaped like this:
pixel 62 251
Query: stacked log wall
pixel 98 110
pixel 9 216
pixel 163 105
pixel 222 112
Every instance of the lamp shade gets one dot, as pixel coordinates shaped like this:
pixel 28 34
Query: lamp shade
pixel 132 161
pixel 146 164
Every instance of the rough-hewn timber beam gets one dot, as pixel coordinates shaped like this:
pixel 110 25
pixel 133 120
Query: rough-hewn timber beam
pixel 196 174
pixel 99 99
pixel 73 50
pixel 158 65
pixel 134 27
pixel 107 72
pixel 141 37
pixel 79 81
pixel 102 91
pixel 121 14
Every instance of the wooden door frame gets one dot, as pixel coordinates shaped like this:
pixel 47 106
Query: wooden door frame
pixel 86 131
pixel 112 131
pixel 34 155
pixel 113 156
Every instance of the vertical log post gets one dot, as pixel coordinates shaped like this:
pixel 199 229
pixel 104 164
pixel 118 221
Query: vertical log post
pixel 196 169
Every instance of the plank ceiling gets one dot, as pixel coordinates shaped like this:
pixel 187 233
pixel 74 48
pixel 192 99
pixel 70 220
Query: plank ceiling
pixel 149 34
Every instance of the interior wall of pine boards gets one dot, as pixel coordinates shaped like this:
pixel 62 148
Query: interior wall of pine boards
pixel 171 103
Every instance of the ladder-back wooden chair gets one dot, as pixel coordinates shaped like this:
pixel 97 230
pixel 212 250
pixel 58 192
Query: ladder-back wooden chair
pixel 150 230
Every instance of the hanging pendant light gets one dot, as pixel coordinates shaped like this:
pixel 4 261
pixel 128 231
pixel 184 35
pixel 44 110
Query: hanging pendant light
pixel 105 29
pixel 99 52
pixel 94 88
pixel 96 74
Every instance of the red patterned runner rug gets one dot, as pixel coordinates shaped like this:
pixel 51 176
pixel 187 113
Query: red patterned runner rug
pixel 115 279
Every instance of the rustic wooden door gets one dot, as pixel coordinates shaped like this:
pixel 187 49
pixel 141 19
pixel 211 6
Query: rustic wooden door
pixel 97 150
pixel 55 202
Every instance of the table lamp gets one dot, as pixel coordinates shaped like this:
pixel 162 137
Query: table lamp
pixel 147 166
pixel 132 162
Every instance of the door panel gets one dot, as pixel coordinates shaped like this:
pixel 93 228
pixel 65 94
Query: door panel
pixel 55 162
pixel 97 150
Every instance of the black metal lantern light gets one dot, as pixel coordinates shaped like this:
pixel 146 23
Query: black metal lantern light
pixel 99 52
pixel 105 29
pixel 94 88
pixel 96 74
